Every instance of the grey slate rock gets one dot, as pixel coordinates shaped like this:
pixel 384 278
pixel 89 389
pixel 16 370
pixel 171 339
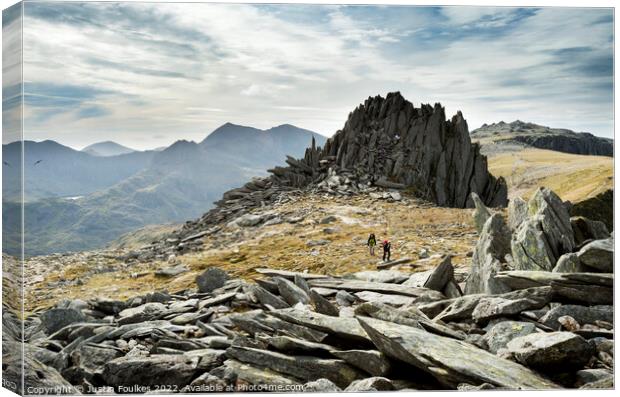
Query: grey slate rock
pixel 372 361
pixel 582 314
pixel 569 263
pixel 376 383
pixel 550 351
pixel 291 293
pixel 491 249
pixel 450 361
pixel 322 305
pixel 481 213
pixel 171 370
pixel 146 312
pixel 54 319
pixel 503 332
pixel 211 279
pixel 307 368
pixel 321 386
pixel 598 254
pixel 441 275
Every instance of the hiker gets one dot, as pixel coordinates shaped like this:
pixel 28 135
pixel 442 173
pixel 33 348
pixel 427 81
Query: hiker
pixel 387 246
pixel 372 241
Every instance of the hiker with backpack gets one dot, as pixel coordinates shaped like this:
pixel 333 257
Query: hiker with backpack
pixel 372 242
pixel 387 250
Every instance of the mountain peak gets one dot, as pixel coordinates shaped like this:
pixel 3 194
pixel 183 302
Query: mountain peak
pixel 106 149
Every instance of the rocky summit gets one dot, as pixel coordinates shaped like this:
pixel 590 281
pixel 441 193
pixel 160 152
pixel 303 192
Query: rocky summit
pixel 386 144
pixel 392 143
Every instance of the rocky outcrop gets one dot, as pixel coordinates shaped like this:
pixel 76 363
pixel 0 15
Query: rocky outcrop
pixel 576 144
pixel 241 334
pixel 547 234
pixel 538 136
pixel 394 144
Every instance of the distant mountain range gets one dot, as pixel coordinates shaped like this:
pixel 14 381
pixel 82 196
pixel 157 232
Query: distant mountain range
pixel 107 148
pixel 79 201
pixel 541 137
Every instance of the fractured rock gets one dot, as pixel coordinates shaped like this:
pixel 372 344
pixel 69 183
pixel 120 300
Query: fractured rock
pixel 450 361
pixel 376 383
pixel 503 332
pixel 211 279
pixel 491 249
pixel 481 213
pixel 307 368
pixel 598 254
pixel 550 351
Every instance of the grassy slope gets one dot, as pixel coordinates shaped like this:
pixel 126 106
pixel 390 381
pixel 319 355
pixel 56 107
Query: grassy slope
pixel 572 177
pixel 409 227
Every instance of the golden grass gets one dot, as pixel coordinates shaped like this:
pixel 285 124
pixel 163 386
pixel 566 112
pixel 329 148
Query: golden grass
pixel 409 228
pixel 573 177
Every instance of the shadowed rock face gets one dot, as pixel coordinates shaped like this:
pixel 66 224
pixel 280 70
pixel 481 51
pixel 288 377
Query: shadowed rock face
pixel 395 143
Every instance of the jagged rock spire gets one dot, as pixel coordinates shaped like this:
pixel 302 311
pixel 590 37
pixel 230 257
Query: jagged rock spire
pixel 391 140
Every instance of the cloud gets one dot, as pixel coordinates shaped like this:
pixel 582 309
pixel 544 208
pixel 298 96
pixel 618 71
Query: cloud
pixel 180 70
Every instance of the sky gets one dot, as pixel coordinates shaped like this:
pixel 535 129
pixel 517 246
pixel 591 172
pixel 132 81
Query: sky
pixel 148 74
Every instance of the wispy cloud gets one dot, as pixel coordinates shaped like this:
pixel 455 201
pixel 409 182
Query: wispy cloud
pixel 145 74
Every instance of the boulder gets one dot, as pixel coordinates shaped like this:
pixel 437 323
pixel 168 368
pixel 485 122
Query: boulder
pixel 322 305
pixel 211 279
pixel 581 314
pixel 442 274
pixel 267 298
pixel 569 263
pixel 517 213
pixel 503 332
pixel 585 229
pixel 410 316
pixel 291 293
pixel 481 213
pixel 321 386
pixel 381 276
pixel 530 249
pixel 586 376
pixel 491 249
pixel 307 368
pixel 346 328
pixel 248 220
pixel 23 373
pixel 375 383
pixel 554 219
pixel 127 374
pixel 54 319
pixel 450 361
pixel 509 304
pixel 146 312
pixel 551 351
pixel 94 356
pixel 588 288
pixel 253 375
pixel 598 254
pixel 384 288
pixel 393 300
pixel 290 345
pixel 372 361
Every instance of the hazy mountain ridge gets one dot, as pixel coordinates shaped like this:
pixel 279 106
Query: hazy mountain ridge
pixel 175 184
pixel 107 148
pixel 542 137
pixel 54 170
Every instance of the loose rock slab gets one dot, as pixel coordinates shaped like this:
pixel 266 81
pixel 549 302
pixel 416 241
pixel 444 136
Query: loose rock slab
pixel 452 362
